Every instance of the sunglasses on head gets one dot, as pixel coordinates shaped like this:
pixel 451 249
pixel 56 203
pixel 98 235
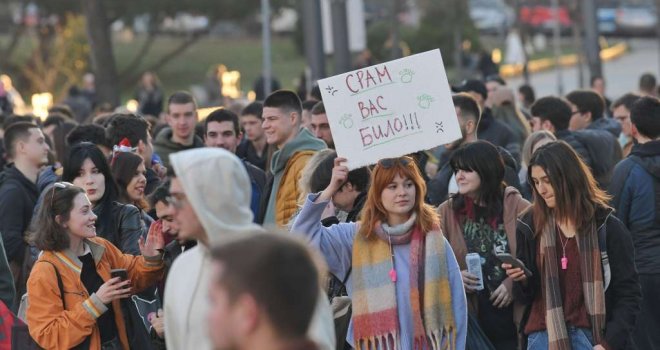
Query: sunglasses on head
pixel 55 187
pixel 390 162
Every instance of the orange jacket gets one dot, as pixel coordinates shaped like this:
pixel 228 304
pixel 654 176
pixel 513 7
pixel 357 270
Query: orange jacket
pixel 53 327
pixel 286 203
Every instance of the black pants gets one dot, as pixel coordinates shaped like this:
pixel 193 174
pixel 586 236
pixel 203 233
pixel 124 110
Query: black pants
pixel 647 330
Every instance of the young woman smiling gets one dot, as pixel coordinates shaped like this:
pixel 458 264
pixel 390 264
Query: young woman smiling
pixel 481 218
pixel 121 224
pixel 130 174
pixel 583 291
pixel 83 310
pixel 405 283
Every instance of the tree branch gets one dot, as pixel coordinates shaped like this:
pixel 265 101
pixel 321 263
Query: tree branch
pixel 130 69
pixel 165 59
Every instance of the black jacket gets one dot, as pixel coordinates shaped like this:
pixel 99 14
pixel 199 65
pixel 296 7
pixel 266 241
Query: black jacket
pixel 498 133
pixel 258 182
pixel 438 188
pixel 635 190
pixel 18 195
pixel 153 181
pixel 124 228
pixel 597 148
pixel 622 296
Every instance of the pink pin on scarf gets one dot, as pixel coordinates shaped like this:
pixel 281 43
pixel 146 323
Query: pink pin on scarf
pixel 393 275
pixel 564 263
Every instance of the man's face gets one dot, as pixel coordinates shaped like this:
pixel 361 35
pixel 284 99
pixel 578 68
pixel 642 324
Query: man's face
pixel 622 115
pixel 222 135
pixel 578 120
pixel 252 126
pixel 190 228
pixel 35 148
pixel 345 197
pixel 146 150
pixel 321 129
pixel 223 322
pixel 463 124
pixel 279 126
pixel 165 213
pixel 182 118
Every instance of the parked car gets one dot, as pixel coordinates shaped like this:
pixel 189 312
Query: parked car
pixel 636 17
pixel 491 16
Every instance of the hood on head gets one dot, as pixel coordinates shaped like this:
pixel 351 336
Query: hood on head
pixel 218 187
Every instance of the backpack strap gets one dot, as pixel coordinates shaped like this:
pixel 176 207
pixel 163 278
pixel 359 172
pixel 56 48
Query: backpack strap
pixel 59 282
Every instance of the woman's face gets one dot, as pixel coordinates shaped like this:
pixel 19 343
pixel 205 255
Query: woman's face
pixel 81 218
pixel 91 180
pixel 468 182
pixel 398 196
pixel 135 188
pixel 543 186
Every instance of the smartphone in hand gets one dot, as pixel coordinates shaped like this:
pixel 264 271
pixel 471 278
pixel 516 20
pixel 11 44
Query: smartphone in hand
pixel 121 273
pixel 509 259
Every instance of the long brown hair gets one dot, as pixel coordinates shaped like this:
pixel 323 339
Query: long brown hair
pixel 577 195
pixel 381 177
pixel 45 232
pixel 124 167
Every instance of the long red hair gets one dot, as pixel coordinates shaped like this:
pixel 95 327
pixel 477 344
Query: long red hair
pixel 374 211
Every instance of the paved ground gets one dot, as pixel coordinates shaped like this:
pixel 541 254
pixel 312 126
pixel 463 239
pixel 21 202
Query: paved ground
pixel 621 75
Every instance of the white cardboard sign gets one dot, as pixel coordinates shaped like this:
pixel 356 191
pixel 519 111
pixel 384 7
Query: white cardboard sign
pixel 390 109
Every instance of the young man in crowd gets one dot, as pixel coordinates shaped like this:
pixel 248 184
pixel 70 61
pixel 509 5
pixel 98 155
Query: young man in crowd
pixel 175 245
pixel 253 302
pixel 221 130
pixel 180 135
pixel 26 145
pixel 319 125
pixel 211 213
pixel 90 133
pixel 443 183
pixel 635 189
pixel 489 128
pixel 254 147
pixel 597 148
pixel 621 113
pixel 135 129
pixel 295 146
pixel 647 85
pixel 587 112
pixel 598 85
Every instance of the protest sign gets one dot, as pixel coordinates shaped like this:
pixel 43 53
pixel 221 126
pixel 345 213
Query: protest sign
pixel 390 109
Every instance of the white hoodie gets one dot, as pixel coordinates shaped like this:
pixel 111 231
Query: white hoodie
pixel 218 188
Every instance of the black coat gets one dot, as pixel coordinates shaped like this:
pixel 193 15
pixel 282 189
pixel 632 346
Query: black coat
pixel 18 196
pixel 597 148
pixel 622 296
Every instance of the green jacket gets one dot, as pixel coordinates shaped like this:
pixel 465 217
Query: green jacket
pixel 164 146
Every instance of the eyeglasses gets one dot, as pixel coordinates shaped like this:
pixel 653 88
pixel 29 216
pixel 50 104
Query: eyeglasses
pixel 390 162
pixel 55 187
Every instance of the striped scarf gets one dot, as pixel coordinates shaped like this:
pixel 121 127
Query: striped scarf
pixel 592 286
pixel 375 318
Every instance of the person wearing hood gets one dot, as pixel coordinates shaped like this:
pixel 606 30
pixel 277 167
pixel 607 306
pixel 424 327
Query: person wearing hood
pixel 180 135
pixel 295 145
pixel 635 189
pixel 588 112
pixel 211 214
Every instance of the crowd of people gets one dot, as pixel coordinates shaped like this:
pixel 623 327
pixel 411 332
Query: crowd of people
pixel 246 230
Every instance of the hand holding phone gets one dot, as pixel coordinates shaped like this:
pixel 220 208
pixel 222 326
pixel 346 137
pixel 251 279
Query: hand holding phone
pixel 121 273
pixel 515 263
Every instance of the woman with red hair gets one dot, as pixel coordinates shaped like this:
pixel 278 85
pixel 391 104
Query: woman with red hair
pixel 403 278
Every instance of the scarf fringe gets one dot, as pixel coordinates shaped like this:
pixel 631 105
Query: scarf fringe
pixel 441 339
pixel 388 341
